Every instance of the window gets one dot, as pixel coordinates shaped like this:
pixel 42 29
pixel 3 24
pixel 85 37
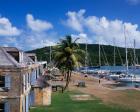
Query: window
pixel 1 107
pixel 33 77
pixel 36 74
pixel 4 107
pixel 44 65
pixel 28 77
pixel 2 81
pixel 5 82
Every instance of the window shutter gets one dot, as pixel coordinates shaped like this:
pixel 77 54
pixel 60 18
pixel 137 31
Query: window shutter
pixel 8 81
pixel 33 77
pixel 29 78
pixel 38 71
pixel 6 107
pixel 26 76
pixel 27 104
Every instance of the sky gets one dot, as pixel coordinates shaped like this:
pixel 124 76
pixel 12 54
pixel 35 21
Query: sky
pixel 31 24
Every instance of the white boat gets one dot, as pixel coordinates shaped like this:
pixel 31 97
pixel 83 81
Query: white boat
pixel 116 75
pixel 96 71
pixel 137 66
pixel 88 71
pixel 129 78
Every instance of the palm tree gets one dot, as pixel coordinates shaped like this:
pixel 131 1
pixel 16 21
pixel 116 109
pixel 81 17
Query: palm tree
pixel 67 56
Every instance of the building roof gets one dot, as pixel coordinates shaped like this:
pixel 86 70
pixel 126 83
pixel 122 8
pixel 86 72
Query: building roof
pixel 31 54
pixel 27 59
pixel 13 49
pixel 56 83
pixel 6 59
pixel 40 82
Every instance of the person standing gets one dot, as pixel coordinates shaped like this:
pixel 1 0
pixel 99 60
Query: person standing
pixel 99 81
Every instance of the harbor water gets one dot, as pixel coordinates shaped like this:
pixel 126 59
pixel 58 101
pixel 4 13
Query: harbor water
pixel 131 70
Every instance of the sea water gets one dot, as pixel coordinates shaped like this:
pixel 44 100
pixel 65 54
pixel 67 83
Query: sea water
pixel 131 70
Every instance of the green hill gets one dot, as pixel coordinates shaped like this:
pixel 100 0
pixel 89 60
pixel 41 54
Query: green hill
pixel 93 54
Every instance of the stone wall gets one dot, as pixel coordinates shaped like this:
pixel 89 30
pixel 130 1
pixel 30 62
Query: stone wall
pixel 42 96
pixel 38 93
pixel 13 95
pixel 47 95
pixel 15 84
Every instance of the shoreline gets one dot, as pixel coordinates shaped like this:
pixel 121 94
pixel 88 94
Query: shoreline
pixel 108 95
pixel 109 84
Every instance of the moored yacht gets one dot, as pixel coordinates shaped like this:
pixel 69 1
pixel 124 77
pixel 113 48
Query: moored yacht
pixel 129 78
pixel 116 75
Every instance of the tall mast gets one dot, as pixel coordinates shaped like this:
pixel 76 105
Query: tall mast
pixel 134 53
pixel 86 54
pixel 99 54
pixel 126 51
pixel 114 52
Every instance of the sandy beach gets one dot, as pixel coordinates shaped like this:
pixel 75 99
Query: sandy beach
pixel 129 97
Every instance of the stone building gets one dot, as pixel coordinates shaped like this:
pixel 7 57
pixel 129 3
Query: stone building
pixel 20 74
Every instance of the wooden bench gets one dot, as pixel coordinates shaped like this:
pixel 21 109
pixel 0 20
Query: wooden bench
pixel 57 84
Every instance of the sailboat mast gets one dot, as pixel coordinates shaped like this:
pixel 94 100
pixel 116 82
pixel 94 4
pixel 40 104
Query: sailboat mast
pixel 114 53
pixel 126 51
pixel 134 53
pixel 86 56
pixel 99 54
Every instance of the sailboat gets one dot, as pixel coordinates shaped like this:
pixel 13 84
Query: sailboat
pixel 100 72
pixel 128 77
pixel 136 65
pixel 89 69
pixel 115 74
pixel 85 68
pixel 98 66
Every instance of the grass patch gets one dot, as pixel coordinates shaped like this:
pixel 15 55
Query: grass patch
pixel 63 103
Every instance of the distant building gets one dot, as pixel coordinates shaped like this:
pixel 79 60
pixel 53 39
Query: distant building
pixel 22 83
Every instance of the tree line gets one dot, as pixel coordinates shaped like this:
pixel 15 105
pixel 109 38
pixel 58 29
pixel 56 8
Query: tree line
pixel 93 54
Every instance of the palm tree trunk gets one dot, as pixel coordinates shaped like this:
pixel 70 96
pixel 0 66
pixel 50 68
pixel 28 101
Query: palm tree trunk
pixel 68 77
pixel 65 75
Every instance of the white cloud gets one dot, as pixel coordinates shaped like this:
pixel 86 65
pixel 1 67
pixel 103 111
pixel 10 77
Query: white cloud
pixel 90 28
pixel 5 45
pixel 133 2
pixel 37 25
pixel 32 40
pixel 28 39
pixel 105 30
pixel 74 19
pixel 81 38
pixel 48 42
pixel 6 28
